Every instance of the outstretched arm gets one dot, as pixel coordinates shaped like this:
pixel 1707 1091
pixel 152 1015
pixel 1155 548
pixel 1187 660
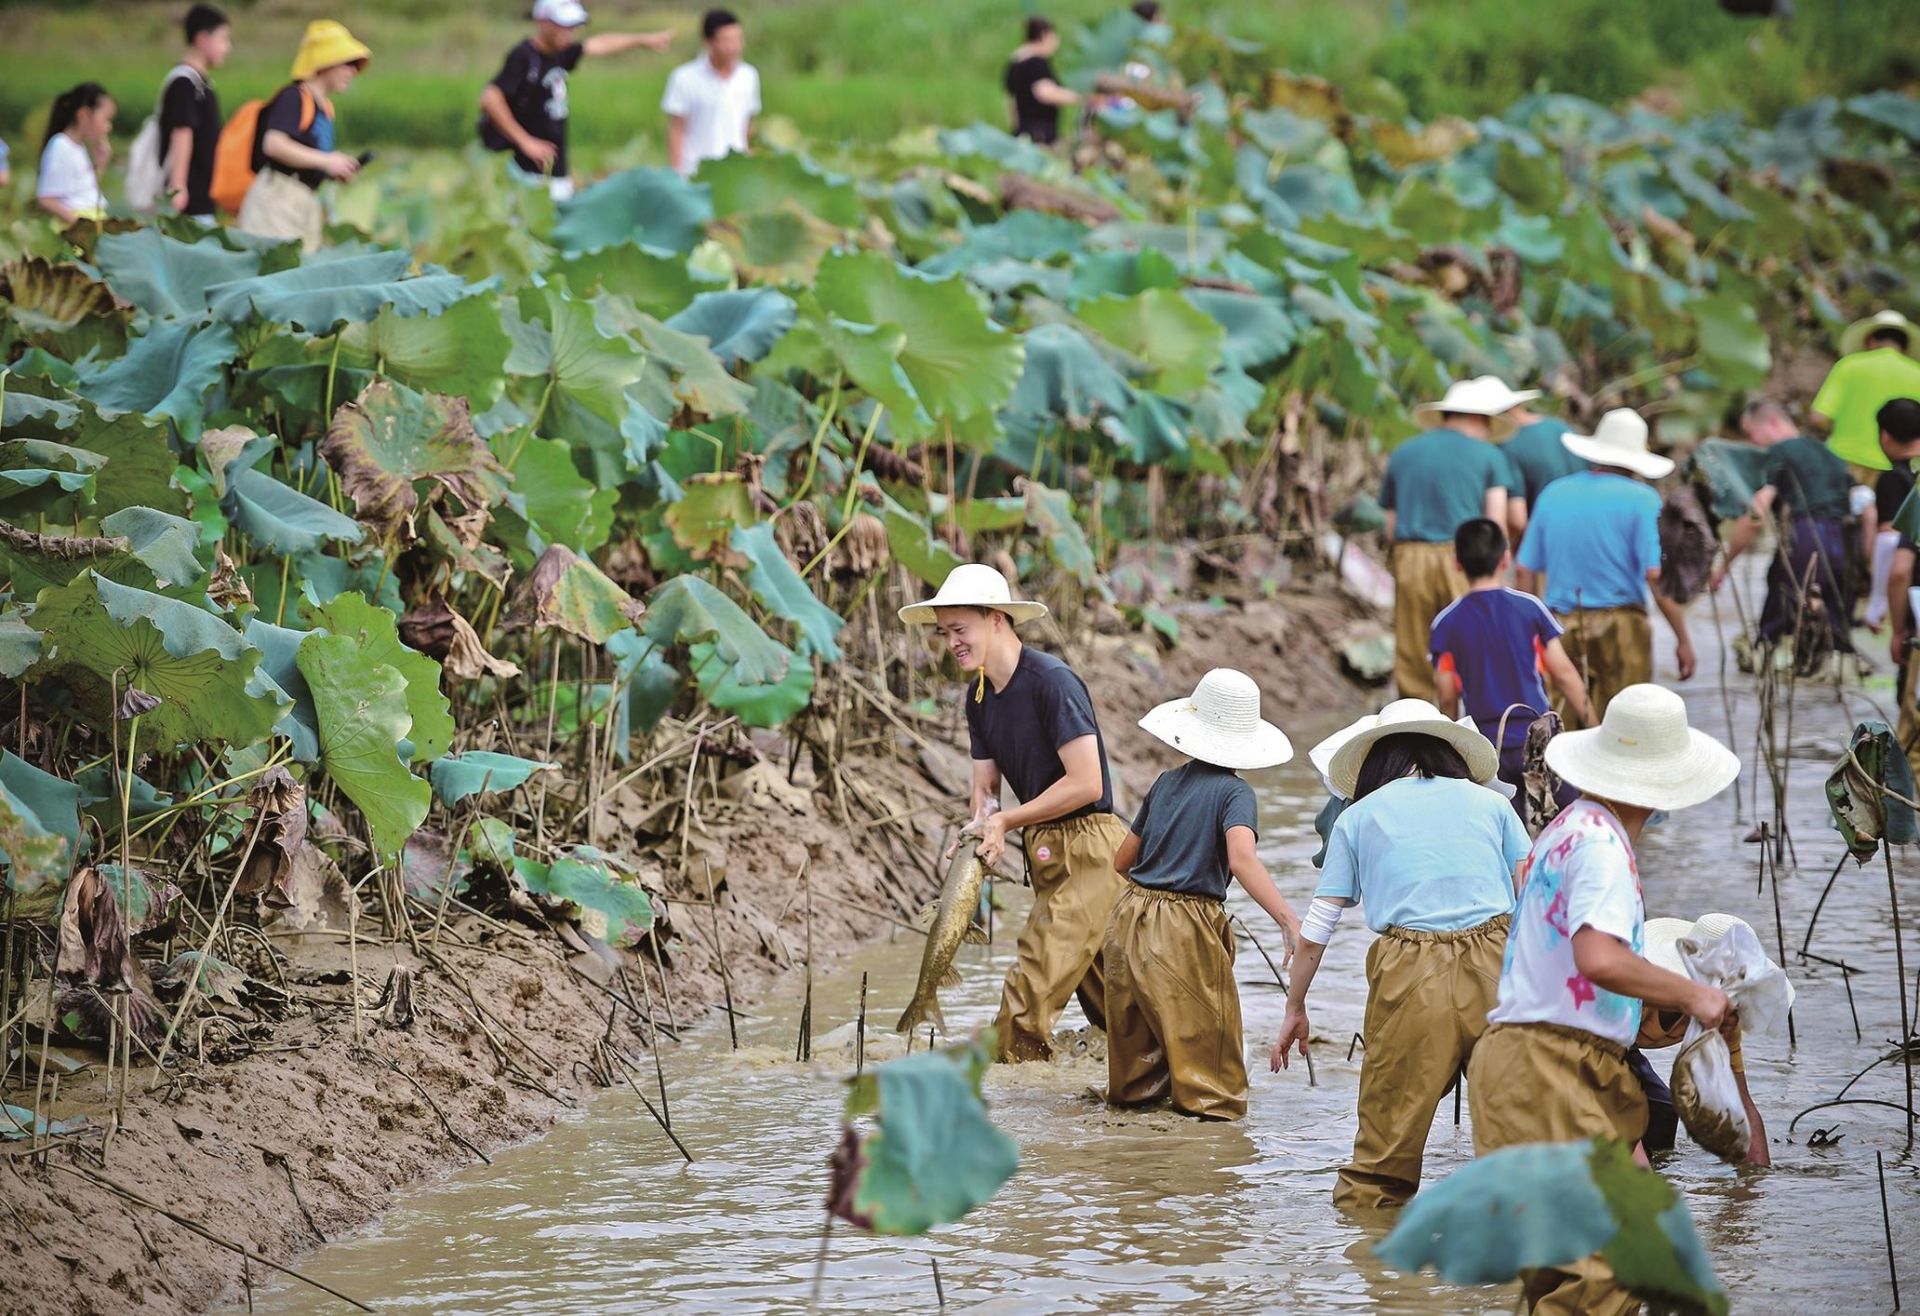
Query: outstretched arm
pixel 619 43
pixel 1294 1028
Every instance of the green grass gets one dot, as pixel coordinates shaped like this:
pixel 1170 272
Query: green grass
pixel 864 70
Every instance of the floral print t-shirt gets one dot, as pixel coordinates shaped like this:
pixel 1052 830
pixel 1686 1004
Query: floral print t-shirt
pixel 1581 874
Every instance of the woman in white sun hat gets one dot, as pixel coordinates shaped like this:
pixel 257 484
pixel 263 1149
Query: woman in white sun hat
pixel 1430 853
pixel 1173 1012
pixel 1435 481
pixel 1031 724
pixel 1595 537
pixel 1552 1066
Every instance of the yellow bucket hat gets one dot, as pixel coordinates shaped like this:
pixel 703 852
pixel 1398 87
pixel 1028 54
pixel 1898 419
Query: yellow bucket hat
pixel 326 44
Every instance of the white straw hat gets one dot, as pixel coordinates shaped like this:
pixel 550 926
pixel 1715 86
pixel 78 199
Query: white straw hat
pixel 1483 395
pixel 1620 439
pixel 1220 724
pixel 1418 717
pixel 1661 937
pixel 973 585
pixel 1643 753
pixel 1855 335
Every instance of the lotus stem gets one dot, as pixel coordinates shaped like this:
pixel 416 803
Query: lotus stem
pixel 853 492
pixel 819 433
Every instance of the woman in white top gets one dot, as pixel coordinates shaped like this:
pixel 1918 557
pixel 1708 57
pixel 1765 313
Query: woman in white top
pixel 77 150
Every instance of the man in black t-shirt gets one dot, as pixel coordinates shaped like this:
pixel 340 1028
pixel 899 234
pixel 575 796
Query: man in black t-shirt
pixel 190 112
pixel 1037 93
pixel 1031 724
pixel 524 109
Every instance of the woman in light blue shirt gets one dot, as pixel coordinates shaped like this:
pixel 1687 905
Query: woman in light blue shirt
pixel 1431 855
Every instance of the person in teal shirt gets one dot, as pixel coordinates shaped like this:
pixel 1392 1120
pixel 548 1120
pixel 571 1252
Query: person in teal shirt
pixel 1874 370
pixel 1434 482
pixel 1538 458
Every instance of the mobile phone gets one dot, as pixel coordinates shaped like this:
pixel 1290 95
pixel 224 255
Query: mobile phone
pixel 365 158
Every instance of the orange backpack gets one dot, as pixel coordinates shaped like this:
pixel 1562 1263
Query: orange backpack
pixel 233 155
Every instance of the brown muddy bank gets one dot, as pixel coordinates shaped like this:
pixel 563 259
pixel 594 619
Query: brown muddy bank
pixel 290 1136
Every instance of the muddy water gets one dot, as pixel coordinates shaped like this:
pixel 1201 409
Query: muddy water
pixel 1147 1210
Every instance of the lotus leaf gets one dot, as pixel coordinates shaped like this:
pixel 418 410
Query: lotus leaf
pixel 763 181
pixel 779 245
pixel 645 685
pixel 361 708
pixel 166 373
pixel 279 517
pixel 1179 342
pixel 586 880
pixel 39 833
pixel 17 1122
pixel 1259 330
pixel 1732 343
pixel 658 283
pixel 561 505
pixel 134 466
pixel 390 440
pixel 101 637
pixel 1896 111
pixel 1066 377
pixel 491 843
pixel 279 648
pixel 709 507
pixel 460 351
pixel 915 548
pixel 649 208
pixel 60 307
pixel 166 278
pixel 785 593
pixel 1121 274
pixel 163 543
pixel 738 326
pixel 377 633
pixel 687 611
pixel 569 593
pixel 320 296
pixel 480 772
pixel 19 644
pixel 141 547
pixel 556 337
pixel 755 705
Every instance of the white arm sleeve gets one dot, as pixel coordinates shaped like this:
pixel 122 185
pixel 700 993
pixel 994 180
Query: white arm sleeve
pixel 1322 915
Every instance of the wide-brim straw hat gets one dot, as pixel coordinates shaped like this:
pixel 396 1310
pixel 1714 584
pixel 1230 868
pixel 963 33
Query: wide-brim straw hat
pixel 1855 335
pixel 1415 717
pixel 1661 937
pixel 1219 723
pixel 325 44
pixel 1483 395
pixel 973 585
pixel 1643 753
pixel 1620 439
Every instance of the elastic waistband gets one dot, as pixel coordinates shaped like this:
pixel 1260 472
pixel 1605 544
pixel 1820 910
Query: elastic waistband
pixel 1594 1040
pixel 1161 893
pixel 1498 923
pixel 1086 822
pixel 1637 608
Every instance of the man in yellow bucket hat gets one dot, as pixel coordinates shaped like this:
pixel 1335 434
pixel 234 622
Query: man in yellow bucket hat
pixel 293 145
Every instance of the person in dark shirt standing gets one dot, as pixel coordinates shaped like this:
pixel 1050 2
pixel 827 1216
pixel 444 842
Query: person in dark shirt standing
pixel 1031 724
pixel 1036 91
pixel 525 110
pixel 190 112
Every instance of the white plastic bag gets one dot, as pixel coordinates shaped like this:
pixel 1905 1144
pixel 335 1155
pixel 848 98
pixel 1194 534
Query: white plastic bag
pixel 1738 965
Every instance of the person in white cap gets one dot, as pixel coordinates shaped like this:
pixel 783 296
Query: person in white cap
pixel 1552 1066
pixel 1173 1012
pixel 1430 853
pixel 1593 544
pixel 1031 724
pixel 1433 482
pixel 525 108
pixel 1875 367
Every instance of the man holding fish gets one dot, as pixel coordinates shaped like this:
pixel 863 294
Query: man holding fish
pixel 1032 726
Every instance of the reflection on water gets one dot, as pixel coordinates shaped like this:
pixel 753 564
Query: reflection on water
pixel 1146 1210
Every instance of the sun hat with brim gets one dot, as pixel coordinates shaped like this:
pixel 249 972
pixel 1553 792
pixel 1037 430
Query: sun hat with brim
pixel 1409 717
pixel 1219 723
pixel 1483 395
pixel 1620 439
pixel 1855 335
pixel 1661 937
pixel 325 44
pixel 1643 753
pixel 973 585
pixel 561 13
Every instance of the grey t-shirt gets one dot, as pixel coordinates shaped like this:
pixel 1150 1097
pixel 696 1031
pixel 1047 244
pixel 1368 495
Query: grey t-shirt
pixel 1182 826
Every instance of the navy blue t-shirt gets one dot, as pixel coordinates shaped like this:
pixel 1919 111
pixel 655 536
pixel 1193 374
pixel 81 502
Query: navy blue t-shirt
pixel 1495 641
pixel 1023 727
pixel 1182 826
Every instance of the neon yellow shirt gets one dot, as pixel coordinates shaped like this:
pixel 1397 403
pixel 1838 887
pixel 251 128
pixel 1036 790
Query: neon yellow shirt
pixel 1857 387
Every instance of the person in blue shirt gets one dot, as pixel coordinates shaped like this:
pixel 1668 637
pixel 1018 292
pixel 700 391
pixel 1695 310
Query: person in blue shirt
pixel 1431 855
pixel 1492 647
pixel 1594 545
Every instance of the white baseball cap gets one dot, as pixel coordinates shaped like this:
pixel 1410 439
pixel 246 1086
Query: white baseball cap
pixel 561 13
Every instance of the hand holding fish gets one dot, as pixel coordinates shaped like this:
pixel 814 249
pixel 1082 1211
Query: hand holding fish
pixel 972 828
pixel 992 831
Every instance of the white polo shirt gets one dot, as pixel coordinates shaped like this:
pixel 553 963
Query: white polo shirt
pixel 717 110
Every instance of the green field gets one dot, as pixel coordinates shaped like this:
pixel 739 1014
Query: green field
pixel 865 69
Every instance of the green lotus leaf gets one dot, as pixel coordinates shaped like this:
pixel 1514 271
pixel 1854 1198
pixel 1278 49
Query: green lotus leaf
pixel 351 617
pixel 164 543
pixel 997 146
pixel 19 644
pixel 1050 513
pixel 703 518
pixel 480 772
pixel 1259 330
pixel 166 373
pixel 783 244
pixel 686 610
pixel 460 351
pixel 361 708
pixel 491 842
pixel 645 684
pixel 1179 342
pixel 560 505
pixel 279 648
pixel 1066 377
pixel 584 878
pixel 391 440
pixel 280 518
pixel 1732 342
pixel 1656 1254
pixel 101 638
pixel 568 592
pixel 961 365
pixel 649 208
pixel 319 296
pixel 557 338
pixel 914 547
pixel 17 1122
pixel 773 579
pixel 135 546
pixel 166 278
pixel 870 356
pixel 755 705
pixel 39 834
pixel 1121 274
pixel 738 326
pixel 658 283
pixel 763 180
pixel 128 465
pixel 1891 109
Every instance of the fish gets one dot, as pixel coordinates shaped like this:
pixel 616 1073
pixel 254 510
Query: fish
pixel 950 921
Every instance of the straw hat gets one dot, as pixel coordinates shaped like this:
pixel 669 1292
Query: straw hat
pixel 1415 716
pixel 973 585
pixel 1662 937
pixel 1220 724
pixel 1484 395
pixel 1620 439
pixel 1643 753
pixel 1855 335
pixel 326 44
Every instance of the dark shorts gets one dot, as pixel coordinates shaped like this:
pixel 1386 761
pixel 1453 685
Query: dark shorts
pixel 1663 1122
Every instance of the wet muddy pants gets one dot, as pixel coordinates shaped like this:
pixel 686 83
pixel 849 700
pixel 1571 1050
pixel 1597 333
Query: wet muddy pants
pixel 1807 585
pixel 1173 1012
pixel 1548 1083
pixel 1070 864
pixel 1428 994
pixel 1425 580
pixel 1612 648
